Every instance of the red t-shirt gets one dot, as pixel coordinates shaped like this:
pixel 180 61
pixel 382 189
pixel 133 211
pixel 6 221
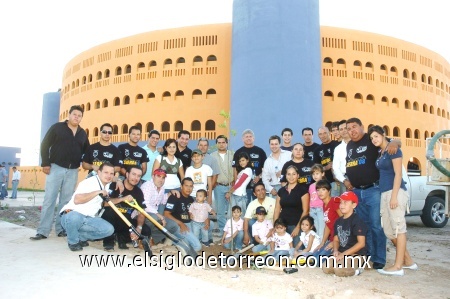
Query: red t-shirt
pixel 330 215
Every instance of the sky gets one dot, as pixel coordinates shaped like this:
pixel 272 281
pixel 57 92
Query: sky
pixel 40 37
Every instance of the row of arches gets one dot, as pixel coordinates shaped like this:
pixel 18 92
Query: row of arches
pixel 165 126
pixel 196 61
pixel 390 70
pixel 407 104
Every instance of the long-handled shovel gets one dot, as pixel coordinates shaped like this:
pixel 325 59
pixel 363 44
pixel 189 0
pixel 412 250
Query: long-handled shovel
pixel 144 239
pixel 181 245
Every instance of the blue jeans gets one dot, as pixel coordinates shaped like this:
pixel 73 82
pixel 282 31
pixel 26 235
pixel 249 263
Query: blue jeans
pixel 295 239
pixel 261 247
pixel 368 209
pixel 240 201
pixel 335 190
pixel 237 241
pixel 276 187
pixel 278 253
pixel 156 233
pixel 250 231
pixel 2 190
pixel 199 231
pixel 319 222
pixel 82 228
pixel 189 238
pixel 221 204
pixel 322 252
pixel 15 184
pixel 249 196
pixel 60 180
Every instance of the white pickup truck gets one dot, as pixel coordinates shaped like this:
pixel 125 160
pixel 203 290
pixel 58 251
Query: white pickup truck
pixel 426 200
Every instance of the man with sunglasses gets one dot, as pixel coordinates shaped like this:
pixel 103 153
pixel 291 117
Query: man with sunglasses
pixel 102 151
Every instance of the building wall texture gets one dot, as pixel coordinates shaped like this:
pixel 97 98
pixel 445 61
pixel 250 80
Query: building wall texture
pixel 181 79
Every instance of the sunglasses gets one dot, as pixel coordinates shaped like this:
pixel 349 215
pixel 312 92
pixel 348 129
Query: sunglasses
pixel 107 132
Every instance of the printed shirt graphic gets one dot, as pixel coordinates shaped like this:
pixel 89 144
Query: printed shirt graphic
pixel 179 207
pixel 348 230
pixel 97 154
pixel 199 176
pixel 361 158
pixel 282 242
pixel 132 155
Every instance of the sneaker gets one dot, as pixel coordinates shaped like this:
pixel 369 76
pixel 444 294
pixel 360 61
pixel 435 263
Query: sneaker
pixel 109 248
pixel 377 266
pixel 359 271
pixel 84 243
pixel 75 247
pixel 206 244
pixel 211 242
pixel 62 234
pixel 123 246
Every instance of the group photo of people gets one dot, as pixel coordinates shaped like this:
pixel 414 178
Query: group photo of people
pixel 343 196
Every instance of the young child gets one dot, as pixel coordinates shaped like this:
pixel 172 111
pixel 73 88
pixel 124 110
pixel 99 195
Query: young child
pixel 315 203
pixel 260 230
pixel 350 237
pixel 238 192
pixel 331 213
pixel 201 174
pixel 199 212
pixel 308 238
pixel 281 241
pixel 238 229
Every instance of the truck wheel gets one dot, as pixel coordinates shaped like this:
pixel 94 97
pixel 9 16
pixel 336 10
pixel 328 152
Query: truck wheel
pixel 433 212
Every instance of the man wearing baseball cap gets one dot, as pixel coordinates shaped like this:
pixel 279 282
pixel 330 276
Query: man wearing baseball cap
pixel 154 196
pixel 349 239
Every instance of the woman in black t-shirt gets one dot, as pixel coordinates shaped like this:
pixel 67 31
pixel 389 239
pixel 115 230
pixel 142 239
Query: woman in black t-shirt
pixel 292 203
pixel 303 166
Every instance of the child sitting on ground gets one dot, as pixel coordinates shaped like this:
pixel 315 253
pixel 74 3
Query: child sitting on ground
pixel 234 230
pixel 199 212
pixel 260 229
pixel 281 241
pixel 309 240
pixel 349 244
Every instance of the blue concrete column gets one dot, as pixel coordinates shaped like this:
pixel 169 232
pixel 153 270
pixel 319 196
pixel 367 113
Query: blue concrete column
pixel 276 79
pixel 50 113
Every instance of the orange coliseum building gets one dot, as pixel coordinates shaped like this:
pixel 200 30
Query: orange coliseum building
pixel 180 79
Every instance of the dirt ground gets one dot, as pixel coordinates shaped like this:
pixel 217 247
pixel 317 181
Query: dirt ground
pixel 429 247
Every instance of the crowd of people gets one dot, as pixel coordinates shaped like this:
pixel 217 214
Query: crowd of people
pixel 304 199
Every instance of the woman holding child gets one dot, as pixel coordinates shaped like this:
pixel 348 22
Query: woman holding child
pixel 394 201
pixel 292 203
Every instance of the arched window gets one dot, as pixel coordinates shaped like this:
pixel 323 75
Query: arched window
pixel 97 105
pixel 149 126
pixel 211 93
pixel 383 68
pixel 128 69
pixel 385 100
pixel 141 65
pixel 90 78
pixel 328 93
pixel 211 58
pixel 414 76
pixel 139 97
pixel 99 75
pixel 424 78
pixel 357 63
pixel 105 103
pixel 198 59
pixel 437 83
pixel 166 95
pixel 210 125
pixel 196 126
pixel 425 108
pixel 152 64
pixel 115 129
pixel 341 62
pixel 179 93
pixel 151 95
pixel 196 94
pixel 369 97
pixel 408 133
pixel 165 127
pixel 116 101
pixel 327 60
pixel 426 135
pixel 416 106
pixel 342 95
pixel 438 112
pixel 83 81
pixel 88 106
pixel 126 100
pixel 387 131
pixel 95 132
pixel 118 71
pixel 416 134
pixel 407 105
pixel 430 80
pixel 107 73
pixel 431 110
pixel 181 60
pixel 167 61
pixel 358 96
pixel 124 129
pixel 178 125
pixel 405 74
pixel 396 132
pixel 394 71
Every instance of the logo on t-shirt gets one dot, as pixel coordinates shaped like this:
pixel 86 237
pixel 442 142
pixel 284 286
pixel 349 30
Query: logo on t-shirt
pixel 127 153
pixel 137 154
pixel 361 149
pixel 306 169
pixel 95 153
pixel 311 154
pixel 107 155
pixel 343 235
pixel 321 153
pixel 254 156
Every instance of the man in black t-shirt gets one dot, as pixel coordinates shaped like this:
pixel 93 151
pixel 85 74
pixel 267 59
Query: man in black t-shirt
pixel 183 152
pixel 133 177
pixel 177 209
pixel 308 146
pixel 131 153
pixel 102 151
pixel 323 154
pixel 257 158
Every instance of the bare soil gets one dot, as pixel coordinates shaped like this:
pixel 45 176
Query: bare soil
pixel 430 248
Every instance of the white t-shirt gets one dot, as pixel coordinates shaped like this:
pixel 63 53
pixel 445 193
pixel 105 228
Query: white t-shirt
pixel 199 176
pixel 237 225
pixel 172 180
pixel 282 242
pixel 261 229
pixel 91 207
pixel 241 191
pixel 304 238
